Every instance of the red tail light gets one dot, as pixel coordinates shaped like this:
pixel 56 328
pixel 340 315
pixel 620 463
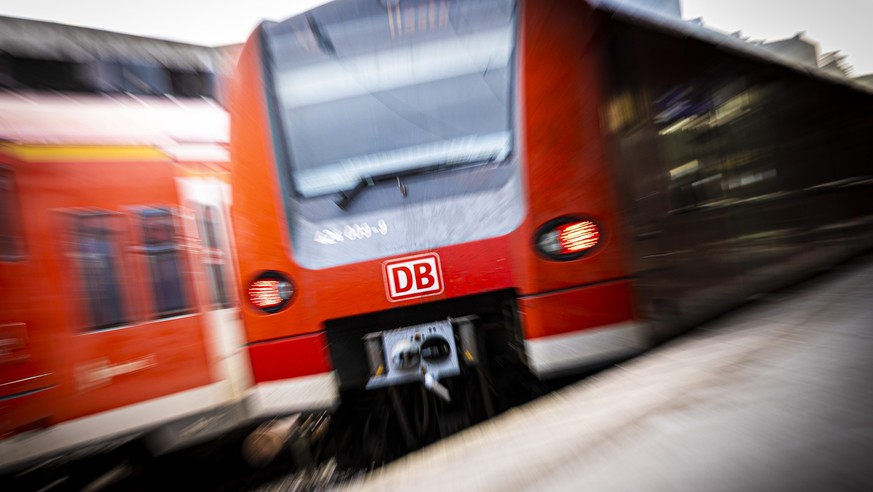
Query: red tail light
pixel 567 238
pixel 270 292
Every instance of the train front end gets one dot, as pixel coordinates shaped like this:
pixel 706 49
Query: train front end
pixel 423 206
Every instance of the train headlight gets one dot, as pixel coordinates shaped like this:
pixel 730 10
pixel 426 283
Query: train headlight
pixel 270 292
pixel 567 238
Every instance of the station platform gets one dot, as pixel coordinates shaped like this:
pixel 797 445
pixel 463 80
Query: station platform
pixel 775 396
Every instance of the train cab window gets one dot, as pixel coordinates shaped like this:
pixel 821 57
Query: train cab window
pixel 11 235
pixel 214 257
pixel 95 242
pixel 165 263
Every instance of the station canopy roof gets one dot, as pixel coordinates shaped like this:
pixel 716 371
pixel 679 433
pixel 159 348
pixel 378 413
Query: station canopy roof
pixel 27 38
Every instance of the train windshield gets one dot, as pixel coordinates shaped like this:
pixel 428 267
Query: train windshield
pixel 392 86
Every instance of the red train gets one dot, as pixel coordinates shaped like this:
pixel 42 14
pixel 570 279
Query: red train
pixel 457 194
pixel 118 316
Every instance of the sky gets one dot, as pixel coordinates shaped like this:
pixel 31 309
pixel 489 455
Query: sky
pixel 845 25
pixel 206 22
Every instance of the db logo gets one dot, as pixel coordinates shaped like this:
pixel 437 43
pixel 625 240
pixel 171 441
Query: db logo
pixel 413 276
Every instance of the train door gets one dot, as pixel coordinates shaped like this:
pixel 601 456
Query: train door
pixel 28 376
pixel 207 213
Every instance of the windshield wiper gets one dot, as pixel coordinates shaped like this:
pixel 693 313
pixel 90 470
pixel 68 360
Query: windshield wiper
pixel 346 197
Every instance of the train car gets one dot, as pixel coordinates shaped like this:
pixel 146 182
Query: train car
pixel 118 316
pixel 437 200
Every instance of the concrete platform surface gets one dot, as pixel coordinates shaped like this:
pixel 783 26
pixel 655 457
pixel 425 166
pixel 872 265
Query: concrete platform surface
pixel 777 396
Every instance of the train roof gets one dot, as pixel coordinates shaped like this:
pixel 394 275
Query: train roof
pixel 189 129
pixel 652 19
pixel 674 26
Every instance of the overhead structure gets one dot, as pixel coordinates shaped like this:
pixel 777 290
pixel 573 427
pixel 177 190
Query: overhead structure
pixel 48 56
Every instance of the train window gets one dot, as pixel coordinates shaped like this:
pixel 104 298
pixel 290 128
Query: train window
pixel 214 257
pixel 144 78
pixel 164 261
pixel 11 235
pixel 41 74
pixel 192 84
pixel 133 78
pixel 360 97
pixel 96 248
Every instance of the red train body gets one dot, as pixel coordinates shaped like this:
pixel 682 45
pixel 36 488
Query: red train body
pixel 505 175
pixel 117 313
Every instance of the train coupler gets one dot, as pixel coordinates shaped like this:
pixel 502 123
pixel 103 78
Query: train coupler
pixel 422 353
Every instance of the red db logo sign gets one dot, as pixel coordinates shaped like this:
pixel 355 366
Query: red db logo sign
pixel 413 276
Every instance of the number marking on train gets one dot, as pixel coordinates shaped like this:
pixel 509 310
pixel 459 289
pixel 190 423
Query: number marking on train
pixel 351 232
